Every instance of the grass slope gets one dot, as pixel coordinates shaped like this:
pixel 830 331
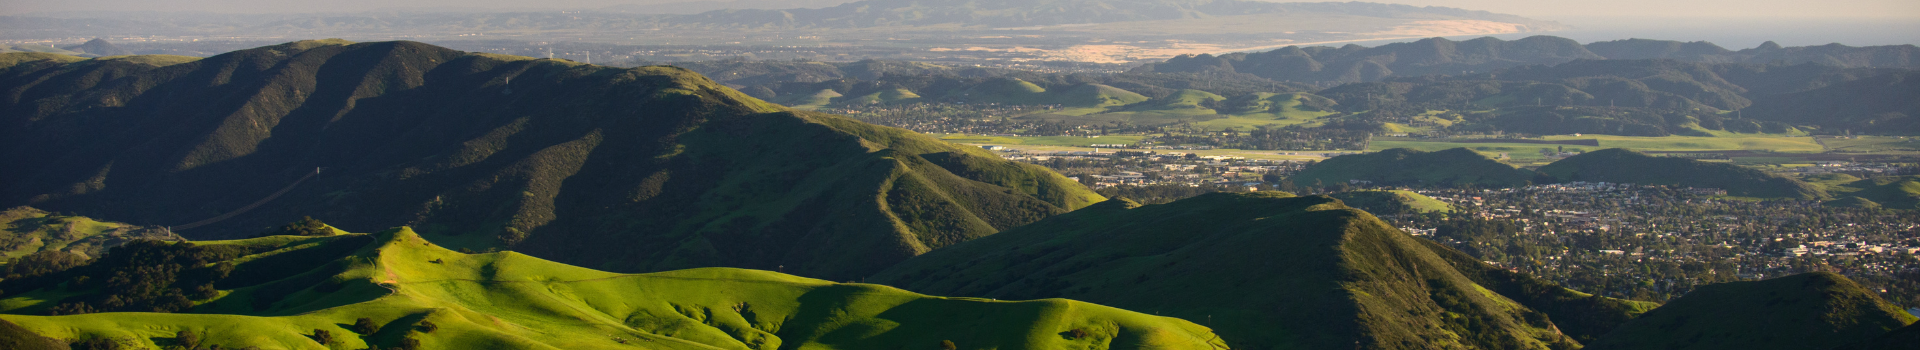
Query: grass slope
pixel 1458 166
pixel 1266 270
pixel 1624 166
pixel 25 230
pixel 510 300
pixel 1392 202
pixel 642 169
pixel 1816 310
pixel 1891 192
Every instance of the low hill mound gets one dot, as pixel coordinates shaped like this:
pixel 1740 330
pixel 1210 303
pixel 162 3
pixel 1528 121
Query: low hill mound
pixel 1806 311
pixel 641 169
pixel 1891 192
pixel 1096 95
pixel 1392 202
pixel 1452 167
pixel 1625 166
pixel 394 288
pixel 1266 270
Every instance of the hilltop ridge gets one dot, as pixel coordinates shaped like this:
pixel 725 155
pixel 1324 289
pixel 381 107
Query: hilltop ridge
pixel 1265 269
pixel 550 157
pixel 412 291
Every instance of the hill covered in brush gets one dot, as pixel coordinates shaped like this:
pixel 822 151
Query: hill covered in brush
pixel 1625 166
pixel 396 290
pixel 27 231
pixel 1267 270
pixel 1401 166
pixel 643 169
pixel 1806 311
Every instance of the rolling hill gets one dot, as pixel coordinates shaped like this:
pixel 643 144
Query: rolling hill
pixel 1806 311
pixel 1391 202
pixel 1624 166
pixel 643 169
pixel 1891 192
pixel 394 289
pixel 1267 270
pixel 1458 166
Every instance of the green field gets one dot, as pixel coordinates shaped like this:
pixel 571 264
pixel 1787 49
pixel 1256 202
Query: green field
pixel 1529 153
pixel 1873 144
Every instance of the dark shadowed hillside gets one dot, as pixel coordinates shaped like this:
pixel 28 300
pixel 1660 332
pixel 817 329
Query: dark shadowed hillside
pixel 1806 311
pixel 1266 270
pixel 1624 166
pixel 643 169
pixel 1401 166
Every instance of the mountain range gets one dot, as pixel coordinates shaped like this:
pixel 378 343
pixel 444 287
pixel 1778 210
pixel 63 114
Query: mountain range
pixel 266 158
pixel 938 15
pixel 553 158
pixel 1355 63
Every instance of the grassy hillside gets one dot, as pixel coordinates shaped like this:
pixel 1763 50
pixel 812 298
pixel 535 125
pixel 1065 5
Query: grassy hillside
pixel 1891 192
pixel 1458 166
pixel 1806 311
pixel 412 291
pixel 1266 270
pixel 1624 166
pixel 25 230
pixel 1392 202
pixel 643 169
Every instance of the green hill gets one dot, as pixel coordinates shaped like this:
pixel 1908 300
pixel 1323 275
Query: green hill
pixel 1003 91
pixel 1183 101
pixel 634 170
pixel 1452 167
pixel 1625 166
pixel 410 291
pixel 1266 270
pixel 1096 95
pixel 1891 192
pixel 1392 202
pixel 1806 311
pixel 816 100
pixel 25 231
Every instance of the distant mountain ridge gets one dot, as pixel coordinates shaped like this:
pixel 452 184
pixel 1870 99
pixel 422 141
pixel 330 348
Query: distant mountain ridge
pixel 976 14
pixel 645 169
pixel 1354 63
pixel 1022 13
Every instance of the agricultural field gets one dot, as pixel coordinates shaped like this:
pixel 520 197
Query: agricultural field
pixel 1872 144
pixel 1769 149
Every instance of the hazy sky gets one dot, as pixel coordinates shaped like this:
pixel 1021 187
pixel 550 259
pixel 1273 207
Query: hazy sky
pixel 1544 9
